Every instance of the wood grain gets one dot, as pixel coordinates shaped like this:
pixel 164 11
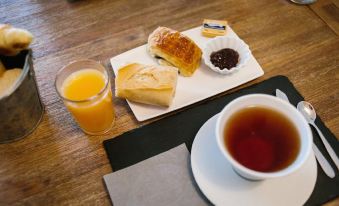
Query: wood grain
pixel 58 164
pixel 328 10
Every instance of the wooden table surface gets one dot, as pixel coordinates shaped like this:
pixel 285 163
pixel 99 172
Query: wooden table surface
pixel 59 165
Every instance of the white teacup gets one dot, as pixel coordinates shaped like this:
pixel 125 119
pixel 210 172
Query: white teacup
pixel 276 104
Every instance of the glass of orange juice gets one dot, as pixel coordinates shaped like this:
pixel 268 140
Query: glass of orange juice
pixel 85 89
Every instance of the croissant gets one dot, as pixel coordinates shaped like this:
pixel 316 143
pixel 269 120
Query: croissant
pixel 13 40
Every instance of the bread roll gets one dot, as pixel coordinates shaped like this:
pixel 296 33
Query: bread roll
pixel 2 68
pixel 13 40
pixel 175 48
pixel 8 80
pixel 153 85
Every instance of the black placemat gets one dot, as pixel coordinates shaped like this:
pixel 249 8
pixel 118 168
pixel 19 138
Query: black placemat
pixel 160 136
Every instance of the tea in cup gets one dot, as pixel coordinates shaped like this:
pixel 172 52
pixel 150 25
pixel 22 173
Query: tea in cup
pixel 263 137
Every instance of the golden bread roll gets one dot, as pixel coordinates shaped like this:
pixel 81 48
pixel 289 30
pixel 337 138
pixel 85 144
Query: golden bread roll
pixel 13 40
pixel 2 68
pixel 153 85
pixel 175 48
pixel 8 80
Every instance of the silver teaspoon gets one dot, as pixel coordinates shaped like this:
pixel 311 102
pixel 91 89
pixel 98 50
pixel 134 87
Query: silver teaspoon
pixel 324 164
pixel 310 115
pixel 303 1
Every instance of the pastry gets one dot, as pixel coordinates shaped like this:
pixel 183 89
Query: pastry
pixel 153 85
pixel 13 40
pixel 176 49
pixel 8 80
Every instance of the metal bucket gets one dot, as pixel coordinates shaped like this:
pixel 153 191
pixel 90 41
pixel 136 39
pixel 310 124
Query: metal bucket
pixel 22 110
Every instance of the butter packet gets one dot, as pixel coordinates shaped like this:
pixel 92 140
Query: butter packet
pixel 213 28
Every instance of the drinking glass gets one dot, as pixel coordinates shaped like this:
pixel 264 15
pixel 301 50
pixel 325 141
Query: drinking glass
pixel 95 114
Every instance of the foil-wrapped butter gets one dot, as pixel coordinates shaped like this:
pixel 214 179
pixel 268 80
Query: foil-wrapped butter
pixel 213 28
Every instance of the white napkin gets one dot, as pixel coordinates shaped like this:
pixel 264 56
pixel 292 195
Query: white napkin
pixel 165 179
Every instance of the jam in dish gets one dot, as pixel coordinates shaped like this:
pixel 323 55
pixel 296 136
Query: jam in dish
pixel 225 58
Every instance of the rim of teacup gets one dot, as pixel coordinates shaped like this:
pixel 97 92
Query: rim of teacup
pixel 285 108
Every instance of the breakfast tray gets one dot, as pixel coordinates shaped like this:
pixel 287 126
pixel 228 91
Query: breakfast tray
pixel 152 139
pixel 189 90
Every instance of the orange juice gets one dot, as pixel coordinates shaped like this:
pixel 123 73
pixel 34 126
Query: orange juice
pixel 90 102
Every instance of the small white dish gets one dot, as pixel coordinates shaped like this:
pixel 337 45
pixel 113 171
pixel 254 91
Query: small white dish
pixel 219 43
pixel 222 186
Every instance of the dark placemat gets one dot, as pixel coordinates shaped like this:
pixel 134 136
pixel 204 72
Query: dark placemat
pixel 152 139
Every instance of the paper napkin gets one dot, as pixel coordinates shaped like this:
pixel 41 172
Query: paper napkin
pixel 165 179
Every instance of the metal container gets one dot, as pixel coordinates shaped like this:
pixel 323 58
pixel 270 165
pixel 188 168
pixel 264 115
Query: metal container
pixel 21 111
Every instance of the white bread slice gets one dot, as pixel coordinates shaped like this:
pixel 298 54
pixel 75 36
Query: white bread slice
pixel 153 85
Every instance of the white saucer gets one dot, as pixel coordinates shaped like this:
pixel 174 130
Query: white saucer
pixel 222 186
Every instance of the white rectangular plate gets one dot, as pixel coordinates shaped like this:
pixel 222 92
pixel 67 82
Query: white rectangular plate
pixel 203 84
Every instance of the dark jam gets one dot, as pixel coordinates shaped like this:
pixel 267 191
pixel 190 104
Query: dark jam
pixel 225 58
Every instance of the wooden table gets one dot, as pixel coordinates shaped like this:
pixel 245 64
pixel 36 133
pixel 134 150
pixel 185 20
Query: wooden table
pixel 60 165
